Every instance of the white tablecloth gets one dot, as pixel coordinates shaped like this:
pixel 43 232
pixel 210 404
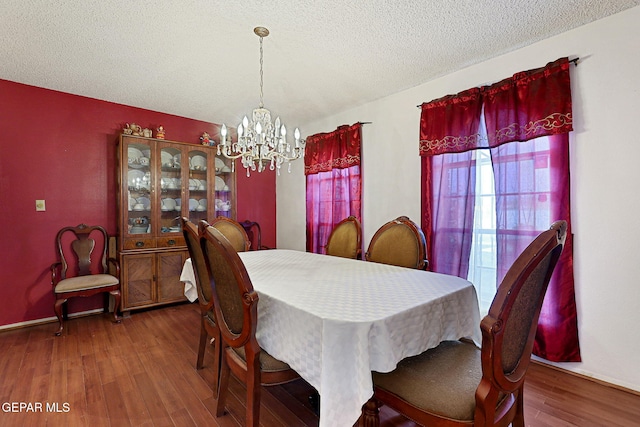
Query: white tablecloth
pixel 334 320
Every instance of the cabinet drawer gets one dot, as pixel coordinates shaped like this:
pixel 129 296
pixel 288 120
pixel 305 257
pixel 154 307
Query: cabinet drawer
pixel 139 243
pixel 170 242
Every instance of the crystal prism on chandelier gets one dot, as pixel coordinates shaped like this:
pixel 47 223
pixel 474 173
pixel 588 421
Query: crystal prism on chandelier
pixel 261 141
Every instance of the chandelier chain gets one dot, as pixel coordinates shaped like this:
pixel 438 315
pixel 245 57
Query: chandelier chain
pixel 261 76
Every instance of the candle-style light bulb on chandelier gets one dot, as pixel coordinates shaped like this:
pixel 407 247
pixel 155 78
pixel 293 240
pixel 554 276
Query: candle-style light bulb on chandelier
pixel 261 141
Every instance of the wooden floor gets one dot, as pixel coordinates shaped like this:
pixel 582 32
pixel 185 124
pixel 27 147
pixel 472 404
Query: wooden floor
pixel 141 373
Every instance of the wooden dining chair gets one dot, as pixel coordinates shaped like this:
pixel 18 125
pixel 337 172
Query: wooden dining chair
pixel 208 326
pixel 82 272
pixel 236 309
pixel 345 239
pixel 254 234
pixel 399 242
pixel 459 384
pixel 233 231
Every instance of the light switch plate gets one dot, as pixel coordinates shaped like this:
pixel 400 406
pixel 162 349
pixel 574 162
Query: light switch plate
pixel 40 206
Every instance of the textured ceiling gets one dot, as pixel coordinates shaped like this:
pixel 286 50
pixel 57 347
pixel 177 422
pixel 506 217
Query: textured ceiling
pixel 200 58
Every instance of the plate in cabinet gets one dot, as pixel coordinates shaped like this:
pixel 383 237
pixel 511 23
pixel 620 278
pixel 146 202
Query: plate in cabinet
pixel 198 163
pixel 135 177
pixel 220 184
pixel 145 202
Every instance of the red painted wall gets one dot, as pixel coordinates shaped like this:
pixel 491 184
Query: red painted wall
pixel 61 148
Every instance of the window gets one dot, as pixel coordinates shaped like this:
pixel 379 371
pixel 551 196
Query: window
pixel 331 197
pixel 516 134
pixel 334 185
pixel 482 261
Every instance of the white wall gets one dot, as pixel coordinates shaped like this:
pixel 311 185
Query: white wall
pixel 605 150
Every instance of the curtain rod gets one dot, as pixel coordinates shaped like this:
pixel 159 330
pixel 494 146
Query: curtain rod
pixel 574 60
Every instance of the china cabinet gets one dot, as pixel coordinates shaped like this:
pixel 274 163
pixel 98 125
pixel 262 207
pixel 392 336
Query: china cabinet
pixel 160 181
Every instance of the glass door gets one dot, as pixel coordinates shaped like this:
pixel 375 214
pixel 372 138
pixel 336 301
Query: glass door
pixel 171 166
pixel 224 188
pixel 199 203
pixel 139 175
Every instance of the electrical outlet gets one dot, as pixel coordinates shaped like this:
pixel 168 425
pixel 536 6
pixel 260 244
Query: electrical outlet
pixel 40 206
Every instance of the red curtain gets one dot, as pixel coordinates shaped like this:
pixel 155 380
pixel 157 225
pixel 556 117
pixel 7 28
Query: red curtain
pixel 528 117
pixel 333 182
pixel 449 127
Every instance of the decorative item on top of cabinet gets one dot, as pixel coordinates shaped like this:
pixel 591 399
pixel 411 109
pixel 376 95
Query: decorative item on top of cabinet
pixel 160 181
pixel 205 139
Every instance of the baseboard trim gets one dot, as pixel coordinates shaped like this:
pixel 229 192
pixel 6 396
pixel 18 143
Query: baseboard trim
pixel 587 377
pixel 36 322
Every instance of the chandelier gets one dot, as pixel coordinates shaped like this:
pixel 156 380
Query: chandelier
pixel 261 141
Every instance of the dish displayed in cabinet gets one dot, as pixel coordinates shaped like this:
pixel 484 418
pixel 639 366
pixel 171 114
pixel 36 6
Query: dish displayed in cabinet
pixel 197 184
pixel 133 153
pixel 198 163
pixel 220 184
pixel 137 158
pixel 168 204
pixel 139 181
pixel 167 159
pixel 167 183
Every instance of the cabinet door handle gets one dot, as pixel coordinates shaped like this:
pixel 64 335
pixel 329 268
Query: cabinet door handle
pixel 171 242
pixel 139 244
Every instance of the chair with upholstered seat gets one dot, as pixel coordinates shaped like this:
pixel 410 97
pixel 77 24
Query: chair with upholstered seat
pixel 208 326
pixel 458 384
pixel 399 242
pixel 236 310
pixel 345 239
pixel 82 272
pixel 233 231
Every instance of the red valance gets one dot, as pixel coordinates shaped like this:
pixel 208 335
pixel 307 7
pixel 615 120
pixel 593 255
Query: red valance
pixel 527 105
pixel 339 149
pixel 450 124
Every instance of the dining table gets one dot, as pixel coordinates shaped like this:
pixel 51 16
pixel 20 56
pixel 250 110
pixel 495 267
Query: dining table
pixel 334 320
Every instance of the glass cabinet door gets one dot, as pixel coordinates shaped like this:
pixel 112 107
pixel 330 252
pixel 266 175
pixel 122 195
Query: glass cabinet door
pixel 139 218
pixel 171 166
pixel 200 175
pixel 224 188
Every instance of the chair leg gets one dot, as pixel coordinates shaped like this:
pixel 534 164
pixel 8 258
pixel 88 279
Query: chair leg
pixel 253 392
pixel 217 357
pixel 518 419
pixel 57 308
pixel 116 305
pixel 223 386
pixel 370 414
pixel 202 344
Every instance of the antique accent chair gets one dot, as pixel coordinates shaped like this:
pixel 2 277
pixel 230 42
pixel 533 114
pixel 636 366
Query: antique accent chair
pixel 233 231
pixel 236 309
pixel 399 242
pixel 458 384
pixel 81 272
pixel 208 326
pixel 345 239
